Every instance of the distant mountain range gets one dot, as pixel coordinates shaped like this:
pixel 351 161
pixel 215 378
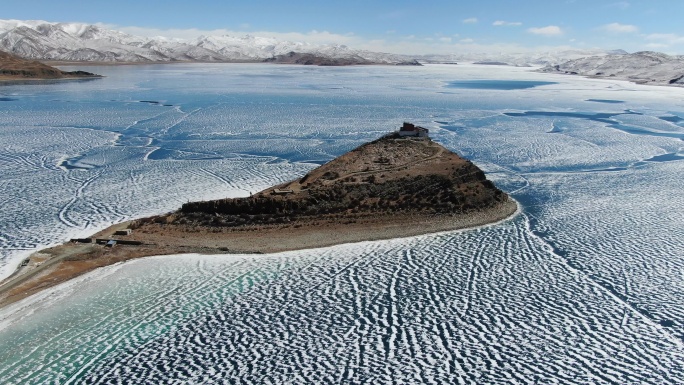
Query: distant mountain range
pixel 521 59
pixel 76 42
pixel 42 40
pixel 641 67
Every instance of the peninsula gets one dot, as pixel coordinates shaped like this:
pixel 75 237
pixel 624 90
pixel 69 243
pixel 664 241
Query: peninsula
pixel 15 68
pixel 402 184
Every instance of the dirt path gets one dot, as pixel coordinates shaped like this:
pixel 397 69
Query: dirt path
pixel 437 154
pixel 24 274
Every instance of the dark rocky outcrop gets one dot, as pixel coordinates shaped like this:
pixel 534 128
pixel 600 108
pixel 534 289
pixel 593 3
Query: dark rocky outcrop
pixel 312 59
pixel 413 62
pixel 388 176
pixel 491 63
pixel 16 68
pixel 676 80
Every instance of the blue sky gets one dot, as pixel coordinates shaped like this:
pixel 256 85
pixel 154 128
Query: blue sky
pixel 402 26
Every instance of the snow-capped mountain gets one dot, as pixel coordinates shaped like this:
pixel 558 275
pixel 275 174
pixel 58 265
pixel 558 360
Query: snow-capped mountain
pixel 41 40
pixel 536 58
pixel 641 67
pixel 84 42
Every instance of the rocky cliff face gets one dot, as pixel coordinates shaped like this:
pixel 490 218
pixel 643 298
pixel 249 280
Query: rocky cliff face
pixel 389 176
pixel 641 67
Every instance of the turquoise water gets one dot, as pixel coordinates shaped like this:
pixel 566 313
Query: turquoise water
pixel 499 84
pixel 583 286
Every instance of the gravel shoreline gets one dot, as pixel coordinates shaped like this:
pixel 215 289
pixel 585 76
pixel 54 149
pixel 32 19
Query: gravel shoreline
pixel 72 260
pixel 300 235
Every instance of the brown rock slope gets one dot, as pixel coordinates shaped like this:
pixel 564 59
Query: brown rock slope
pixel 388 188
pixel 13 67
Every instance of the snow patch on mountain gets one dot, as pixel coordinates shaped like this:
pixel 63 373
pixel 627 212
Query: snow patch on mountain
pixel 644 67
pixel 41 40
pixel 520 59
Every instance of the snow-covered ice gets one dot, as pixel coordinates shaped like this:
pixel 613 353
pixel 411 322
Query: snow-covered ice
pixel 584 286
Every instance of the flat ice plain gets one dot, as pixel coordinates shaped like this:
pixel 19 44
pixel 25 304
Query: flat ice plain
pixel 585 286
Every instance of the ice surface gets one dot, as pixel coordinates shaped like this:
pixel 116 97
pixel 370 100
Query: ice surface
pixel 584 286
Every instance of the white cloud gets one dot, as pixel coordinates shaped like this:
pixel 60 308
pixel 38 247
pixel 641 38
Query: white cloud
pixel 619 28
pixel 467 41
pixel 470 20
pixel 551 30
pixel 662 36
pixel 445 39
pixel 665 39
pixel 501 23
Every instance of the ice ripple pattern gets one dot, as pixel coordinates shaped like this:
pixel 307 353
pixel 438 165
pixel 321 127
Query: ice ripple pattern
pixel 585 286
pixel 488 306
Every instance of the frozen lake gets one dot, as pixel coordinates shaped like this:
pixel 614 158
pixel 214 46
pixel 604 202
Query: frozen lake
pixel 586 285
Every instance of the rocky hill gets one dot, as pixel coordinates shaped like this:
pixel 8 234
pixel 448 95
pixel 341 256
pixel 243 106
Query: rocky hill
pixel 40 40
pixel 392 178
pixel 640 67
pixel 390 188
pixel 313 59
pixel 12 67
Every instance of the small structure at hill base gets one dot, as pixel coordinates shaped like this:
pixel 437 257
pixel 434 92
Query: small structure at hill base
pixel 81 240
pixel 280 191
pixel 408 129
